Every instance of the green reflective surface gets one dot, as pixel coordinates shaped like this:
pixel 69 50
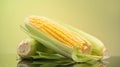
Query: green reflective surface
pixel 10 60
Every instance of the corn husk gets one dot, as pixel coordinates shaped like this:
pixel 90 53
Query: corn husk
pixel 97 51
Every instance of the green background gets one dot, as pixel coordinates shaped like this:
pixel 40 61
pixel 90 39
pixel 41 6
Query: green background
pixel 100 18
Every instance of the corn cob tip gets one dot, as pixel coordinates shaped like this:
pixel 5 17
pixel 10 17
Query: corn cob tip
pixel 26 48
pixel 23 48
pixel 33 17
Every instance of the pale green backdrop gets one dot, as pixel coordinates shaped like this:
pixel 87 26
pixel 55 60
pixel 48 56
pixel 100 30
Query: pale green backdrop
pixel 100 18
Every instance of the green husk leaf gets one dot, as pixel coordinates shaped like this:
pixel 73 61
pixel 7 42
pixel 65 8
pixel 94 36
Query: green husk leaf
pixel 79 57
pixel 45 55
pixel 64 61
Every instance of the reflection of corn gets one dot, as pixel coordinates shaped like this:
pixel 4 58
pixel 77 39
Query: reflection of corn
pixel 62 34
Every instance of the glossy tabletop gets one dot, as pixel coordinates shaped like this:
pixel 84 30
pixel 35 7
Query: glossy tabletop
pixel 10 60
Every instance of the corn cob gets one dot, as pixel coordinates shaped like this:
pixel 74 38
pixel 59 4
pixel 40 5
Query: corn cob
pixel 57 36
pixel 63 35
pixel 27 48
pixel 30 48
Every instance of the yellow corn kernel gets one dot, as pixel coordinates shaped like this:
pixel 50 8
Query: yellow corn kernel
pixel 62 34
